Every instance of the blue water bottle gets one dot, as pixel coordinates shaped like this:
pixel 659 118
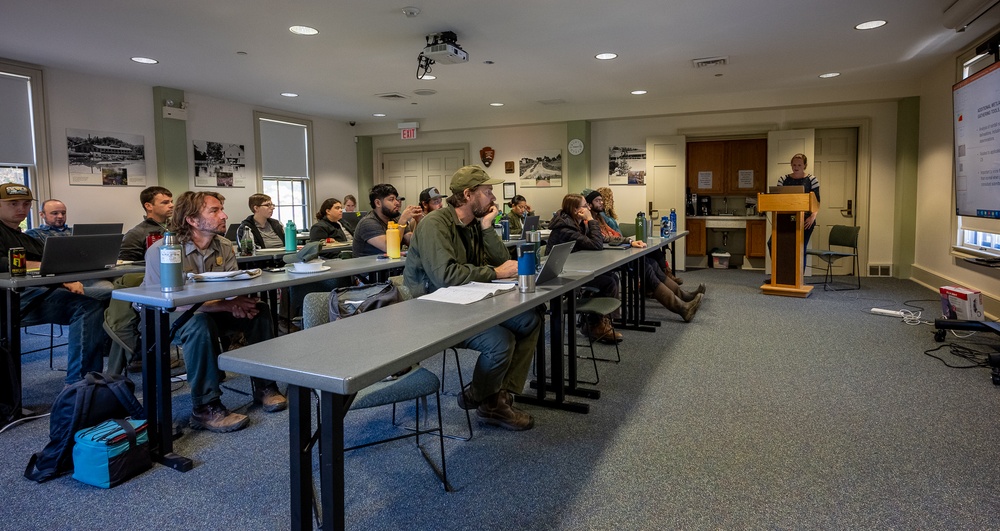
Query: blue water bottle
pixel 664 226
pixel 526 268
pixel 171 272
pixel 505 229
pixel 290 234
pixel 673 220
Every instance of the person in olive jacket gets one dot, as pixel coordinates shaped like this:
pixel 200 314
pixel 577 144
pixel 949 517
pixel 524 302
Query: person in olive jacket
pixel 455 245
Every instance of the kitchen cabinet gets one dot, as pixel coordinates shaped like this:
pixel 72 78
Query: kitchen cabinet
pixel 714 167
pixel 756 238
pixel 696 237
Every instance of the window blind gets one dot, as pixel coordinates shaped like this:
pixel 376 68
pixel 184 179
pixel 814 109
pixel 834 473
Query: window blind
pixel 283 151
pixel 17 145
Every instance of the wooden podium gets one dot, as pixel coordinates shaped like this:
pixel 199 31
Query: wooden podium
pixel 787 241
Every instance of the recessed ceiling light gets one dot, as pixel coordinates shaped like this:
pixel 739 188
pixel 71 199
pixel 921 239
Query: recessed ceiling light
pixel 496 104
pixel 638 92
pixel 145 60
pixel 605 56
pixel 428 77
pixel 303 30
pixel 289 94
pixel 871 24
pixel 378 114
pixel 828 75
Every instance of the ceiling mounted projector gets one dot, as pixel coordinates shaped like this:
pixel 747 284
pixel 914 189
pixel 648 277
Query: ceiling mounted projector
pixel 446 54
pixel 440 48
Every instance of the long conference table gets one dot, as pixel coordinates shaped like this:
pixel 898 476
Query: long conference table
pixel 11 407
pixel 307 363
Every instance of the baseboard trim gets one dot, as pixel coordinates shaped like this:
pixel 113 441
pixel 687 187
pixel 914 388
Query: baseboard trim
pixel 933 281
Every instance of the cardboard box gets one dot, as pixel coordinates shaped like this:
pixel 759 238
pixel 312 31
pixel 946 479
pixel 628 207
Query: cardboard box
pixel 961 303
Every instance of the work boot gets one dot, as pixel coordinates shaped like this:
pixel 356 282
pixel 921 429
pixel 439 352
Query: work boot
pixel 688 296
pixel 686 310
pixel 499 410
pixel 677 280
pixel 465 400
pixel 603 332
pixel 214 416
pixel 270 398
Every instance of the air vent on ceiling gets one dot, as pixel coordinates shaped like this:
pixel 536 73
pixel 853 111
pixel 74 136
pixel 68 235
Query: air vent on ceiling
pixel 392 96
pixel 710 61
pixel 558 101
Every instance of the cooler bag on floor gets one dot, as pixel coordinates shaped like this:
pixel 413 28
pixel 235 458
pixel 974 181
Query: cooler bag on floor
pixel 111 452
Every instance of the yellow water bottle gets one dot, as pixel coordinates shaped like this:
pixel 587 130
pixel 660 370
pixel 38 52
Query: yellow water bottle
pixel 392 240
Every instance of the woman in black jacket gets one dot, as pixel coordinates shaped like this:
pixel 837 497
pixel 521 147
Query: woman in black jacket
pixel 268 233
pixel 328 223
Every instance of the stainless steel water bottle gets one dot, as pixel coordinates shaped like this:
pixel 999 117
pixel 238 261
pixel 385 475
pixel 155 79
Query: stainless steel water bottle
pixel 171 271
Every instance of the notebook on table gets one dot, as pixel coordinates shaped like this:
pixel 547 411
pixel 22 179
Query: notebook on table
pixel 88 229
pixel 76 254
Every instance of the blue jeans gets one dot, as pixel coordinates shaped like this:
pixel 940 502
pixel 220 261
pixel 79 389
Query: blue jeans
pixel 85 317
pixel 505 353
pixel 199 339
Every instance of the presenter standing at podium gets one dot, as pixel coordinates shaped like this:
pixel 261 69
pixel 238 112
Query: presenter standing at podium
pixel 809 183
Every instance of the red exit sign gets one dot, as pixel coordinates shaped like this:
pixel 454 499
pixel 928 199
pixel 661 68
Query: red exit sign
pixel 408 133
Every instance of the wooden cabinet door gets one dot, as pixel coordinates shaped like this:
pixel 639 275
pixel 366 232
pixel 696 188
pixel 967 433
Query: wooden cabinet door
pixel 747 156
pixel 756 238
pixel 707 159
pixel 696 237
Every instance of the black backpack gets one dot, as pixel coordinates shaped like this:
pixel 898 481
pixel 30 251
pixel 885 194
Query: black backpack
pixel 348 301
pixel 95 399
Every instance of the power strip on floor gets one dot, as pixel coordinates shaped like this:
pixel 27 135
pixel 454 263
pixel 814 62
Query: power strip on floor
pixel 890 313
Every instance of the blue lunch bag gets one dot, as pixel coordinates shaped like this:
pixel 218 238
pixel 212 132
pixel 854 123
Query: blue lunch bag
pixel 111 452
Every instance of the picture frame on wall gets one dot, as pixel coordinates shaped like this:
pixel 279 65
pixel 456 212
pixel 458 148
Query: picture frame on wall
pixel 627 165
pixel 540 169
pixel 509 190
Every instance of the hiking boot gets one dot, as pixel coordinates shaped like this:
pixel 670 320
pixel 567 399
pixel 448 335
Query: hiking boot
pixel 688 296
pixel 270 398
pixel 465 400
pixel 601 331
pixel 499 410
pixel 214 416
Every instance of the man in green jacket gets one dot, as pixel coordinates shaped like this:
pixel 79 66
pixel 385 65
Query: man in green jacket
pixel 455 245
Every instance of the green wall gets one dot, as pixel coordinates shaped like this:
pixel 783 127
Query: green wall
pixel 905 209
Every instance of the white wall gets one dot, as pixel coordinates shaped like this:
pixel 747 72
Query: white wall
pixel 510 141
pixel 81 101
pixel 935 225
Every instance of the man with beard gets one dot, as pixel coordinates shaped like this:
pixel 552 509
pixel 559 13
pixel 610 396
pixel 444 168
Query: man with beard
pixel 454 245
pixel 369 235
pixel 199 222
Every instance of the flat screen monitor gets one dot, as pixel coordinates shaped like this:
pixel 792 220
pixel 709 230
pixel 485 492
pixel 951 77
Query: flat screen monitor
pixel 977 144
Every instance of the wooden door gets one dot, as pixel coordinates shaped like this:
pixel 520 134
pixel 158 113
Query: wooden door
pixel 746 166
pixel 756 238
pixel 696 237
pixel 781 145
pixel 836 167
pixel 706 167
pixel 412 172
pixel 665 183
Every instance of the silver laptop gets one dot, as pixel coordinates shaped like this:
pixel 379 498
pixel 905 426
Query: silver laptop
pixel 799 189
pixel 75 254
pixel 553 265
pixel 88 229
pixel 530 224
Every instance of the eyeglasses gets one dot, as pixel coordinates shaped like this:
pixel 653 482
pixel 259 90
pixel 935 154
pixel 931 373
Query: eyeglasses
pixel 267 205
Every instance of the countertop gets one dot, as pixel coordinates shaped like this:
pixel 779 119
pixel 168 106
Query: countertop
pixel 741 218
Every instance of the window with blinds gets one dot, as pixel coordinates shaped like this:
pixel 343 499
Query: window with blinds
pixel 285 169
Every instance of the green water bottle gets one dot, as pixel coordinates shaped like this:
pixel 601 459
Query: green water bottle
pixel 290 233
pixel 640 227
pixel 171 272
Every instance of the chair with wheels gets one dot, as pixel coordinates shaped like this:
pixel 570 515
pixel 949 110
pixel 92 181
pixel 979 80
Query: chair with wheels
pixel 840 236
pixel 417 384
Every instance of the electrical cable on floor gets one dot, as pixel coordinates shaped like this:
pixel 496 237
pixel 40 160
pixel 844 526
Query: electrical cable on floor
pixel 22 421
pixel 977 358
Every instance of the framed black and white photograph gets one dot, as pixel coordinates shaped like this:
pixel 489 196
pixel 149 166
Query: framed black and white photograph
pixel 540 169
pixel 98 158
pixel 509 190
pixel 627 165
pixel 218 164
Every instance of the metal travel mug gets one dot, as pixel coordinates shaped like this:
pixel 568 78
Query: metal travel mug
pixel 535 237
pixel 526 268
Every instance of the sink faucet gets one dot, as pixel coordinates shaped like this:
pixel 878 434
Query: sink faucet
pixel 725 204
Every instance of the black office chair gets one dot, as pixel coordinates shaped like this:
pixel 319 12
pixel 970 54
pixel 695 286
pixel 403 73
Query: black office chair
pixel 840 236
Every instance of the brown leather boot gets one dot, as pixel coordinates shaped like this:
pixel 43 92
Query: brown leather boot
pixel 686 310
pixel 602 332
pixel 688 296
pixel 677 280
pixel 499 410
